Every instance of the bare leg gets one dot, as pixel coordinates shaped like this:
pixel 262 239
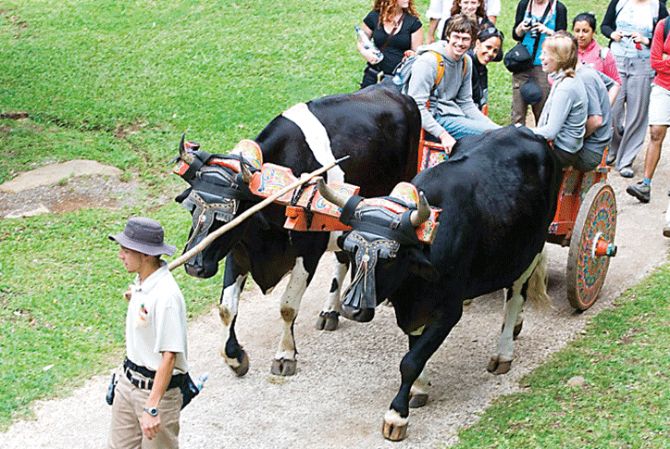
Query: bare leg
pixel 653 155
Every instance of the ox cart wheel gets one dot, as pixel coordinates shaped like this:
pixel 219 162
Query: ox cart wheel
pixel 591 246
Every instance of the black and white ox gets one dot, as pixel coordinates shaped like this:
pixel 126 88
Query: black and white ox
pixel 497 196
pixel 378 129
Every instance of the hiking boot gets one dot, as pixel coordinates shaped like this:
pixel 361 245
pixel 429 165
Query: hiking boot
pixel 641 191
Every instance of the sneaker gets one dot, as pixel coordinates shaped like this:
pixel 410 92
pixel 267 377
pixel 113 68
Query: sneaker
pixel 626 172
pixel 640 191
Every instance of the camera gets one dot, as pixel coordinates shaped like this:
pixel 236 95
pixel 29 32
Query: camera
pixel 530 22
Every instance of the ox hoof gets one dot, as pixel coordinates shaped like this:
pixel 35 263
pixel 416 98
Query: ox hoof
pixel 418 400
pixel 496 366
pixel 355 314
pixel 517 330
pixel 239 365
pixel 395 427
pixel 283 367
pixel 327 321
pixel 243 368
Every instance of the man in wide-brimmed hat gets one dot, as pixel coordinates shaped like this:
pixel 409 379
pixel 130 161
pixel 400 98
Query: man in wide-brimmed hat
pixel 147 400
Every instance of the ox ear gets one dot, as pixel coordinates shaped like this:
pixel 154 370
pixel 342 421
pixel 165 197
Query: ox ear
pixel 421 266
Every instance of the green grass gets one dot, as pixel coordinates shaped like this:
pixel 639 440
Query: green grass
pixel 118 81
pixel 625 402
pixel 61 303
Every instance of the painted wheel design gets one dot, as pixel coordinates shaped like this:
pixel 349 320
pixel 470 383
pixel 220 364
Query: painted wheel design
pixel 585 271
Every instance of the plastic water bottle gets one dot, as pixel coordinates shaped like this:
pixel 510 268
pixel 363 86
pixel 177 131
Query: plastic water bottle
pixel 200 382
pixel 368 44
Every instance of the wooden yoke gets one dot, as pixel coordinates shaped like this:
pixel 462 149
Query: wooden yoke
pixel 308 211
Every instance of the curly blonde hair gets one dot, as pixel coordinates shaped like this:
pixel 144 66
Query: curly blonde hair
pixel 385 8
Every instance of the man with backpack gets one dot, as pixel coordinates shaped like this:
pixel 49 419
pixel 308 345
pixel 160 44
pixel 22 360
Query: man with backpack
pixel 440 85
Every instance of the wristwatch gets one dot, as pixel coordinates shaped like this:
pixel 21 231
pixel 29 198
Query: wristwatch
pixel 153 411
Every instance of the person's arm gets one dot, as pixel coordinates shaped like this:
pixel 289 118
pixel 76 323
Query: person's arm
pixel 659 63
pixel 432 27
pixel 593 122
pixel 493 10
pixel 561 17
pixel 434 14
pixel 610 69
pixel 561 104
pixel 366 53
pixel 151 424
pixel 420 85
pixel 417 35
pixel 609 22
pixel 519 30
pixel 613 92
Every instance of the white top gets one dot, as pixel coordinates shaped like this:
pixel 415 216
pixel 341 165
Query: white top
pixel 156 321
pixel 441 9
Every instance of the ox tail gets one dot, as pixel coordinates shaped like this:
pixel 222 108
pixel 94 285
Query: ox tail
pixel 537 284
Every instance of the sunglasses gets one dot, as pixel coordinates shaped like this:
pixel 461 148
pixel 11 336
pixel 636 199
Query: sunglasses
pixel 490 32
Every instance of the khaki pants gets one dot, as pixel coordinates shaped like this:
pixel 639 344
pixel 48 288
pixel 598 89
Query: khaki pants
pixel 125 431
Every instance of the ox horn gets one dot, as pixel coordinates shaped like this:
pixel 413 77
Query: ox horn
pixel 246 173
pixel 182 149
pixel 331 195
pixel 422 212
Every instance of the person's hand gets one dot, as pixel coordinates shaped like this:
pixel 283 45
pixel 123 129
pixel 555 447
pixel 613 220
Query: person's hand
pixel 408 54
pixel 639 39
pixel 616 36
pixel 370 56
pixel 447 142
pixel 522 28
pixel 150 425
pixel 542 28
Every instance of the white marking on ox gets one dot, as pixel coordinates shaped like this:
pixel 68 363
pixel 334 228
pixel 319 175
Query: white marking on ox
pixel 513 309
pixel 333 301
pixel 316 137
pixel 289 306
pixel 230 301
pixel 421 384
pixel 392 417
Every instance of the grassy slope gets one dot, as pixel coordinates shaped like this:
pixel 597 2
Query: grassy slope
pixel 117 82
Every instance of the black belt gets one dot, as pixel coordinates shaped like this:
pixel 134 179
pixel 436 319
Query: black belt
pixel 177 380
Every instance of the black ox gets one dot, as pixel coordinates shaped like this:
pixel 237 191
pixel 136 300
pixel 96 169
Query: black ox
pixel 498 196
pixel 378 129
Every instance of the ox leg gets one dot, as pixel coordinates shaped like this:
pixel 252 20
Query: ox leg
pixel 233 283
pixel 418 394
pixel 534 276
pixel 284 363
pixel 413 363
pixel 329 317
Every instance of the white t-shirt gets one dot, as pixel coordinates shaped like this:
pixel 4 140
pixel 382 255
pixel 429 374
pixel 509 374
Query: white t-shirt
pixel 441 9
pixel 156 321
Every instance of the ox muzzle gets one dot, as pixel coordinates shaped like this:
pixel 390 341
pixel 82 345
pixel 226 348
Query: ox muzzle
pixel 377 234
pixel 214 198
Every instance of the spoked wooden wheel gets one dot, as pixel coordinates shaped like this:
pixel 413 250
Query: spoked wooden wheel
pixel 591 246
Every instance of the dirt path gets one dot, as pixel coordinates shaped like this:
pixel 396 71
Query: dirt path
pixel 346 379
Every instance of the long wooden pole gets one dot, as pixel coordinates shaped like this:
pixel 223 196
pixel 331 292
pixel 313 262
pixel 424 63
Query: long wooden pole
pixel 249 212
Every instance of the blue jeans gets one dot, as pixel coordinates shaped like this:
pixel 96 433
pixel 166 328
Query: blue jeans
pixel 459 126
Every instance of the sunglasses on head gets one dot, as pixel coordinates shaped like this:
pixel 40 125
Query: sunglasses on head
pixel 490 32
